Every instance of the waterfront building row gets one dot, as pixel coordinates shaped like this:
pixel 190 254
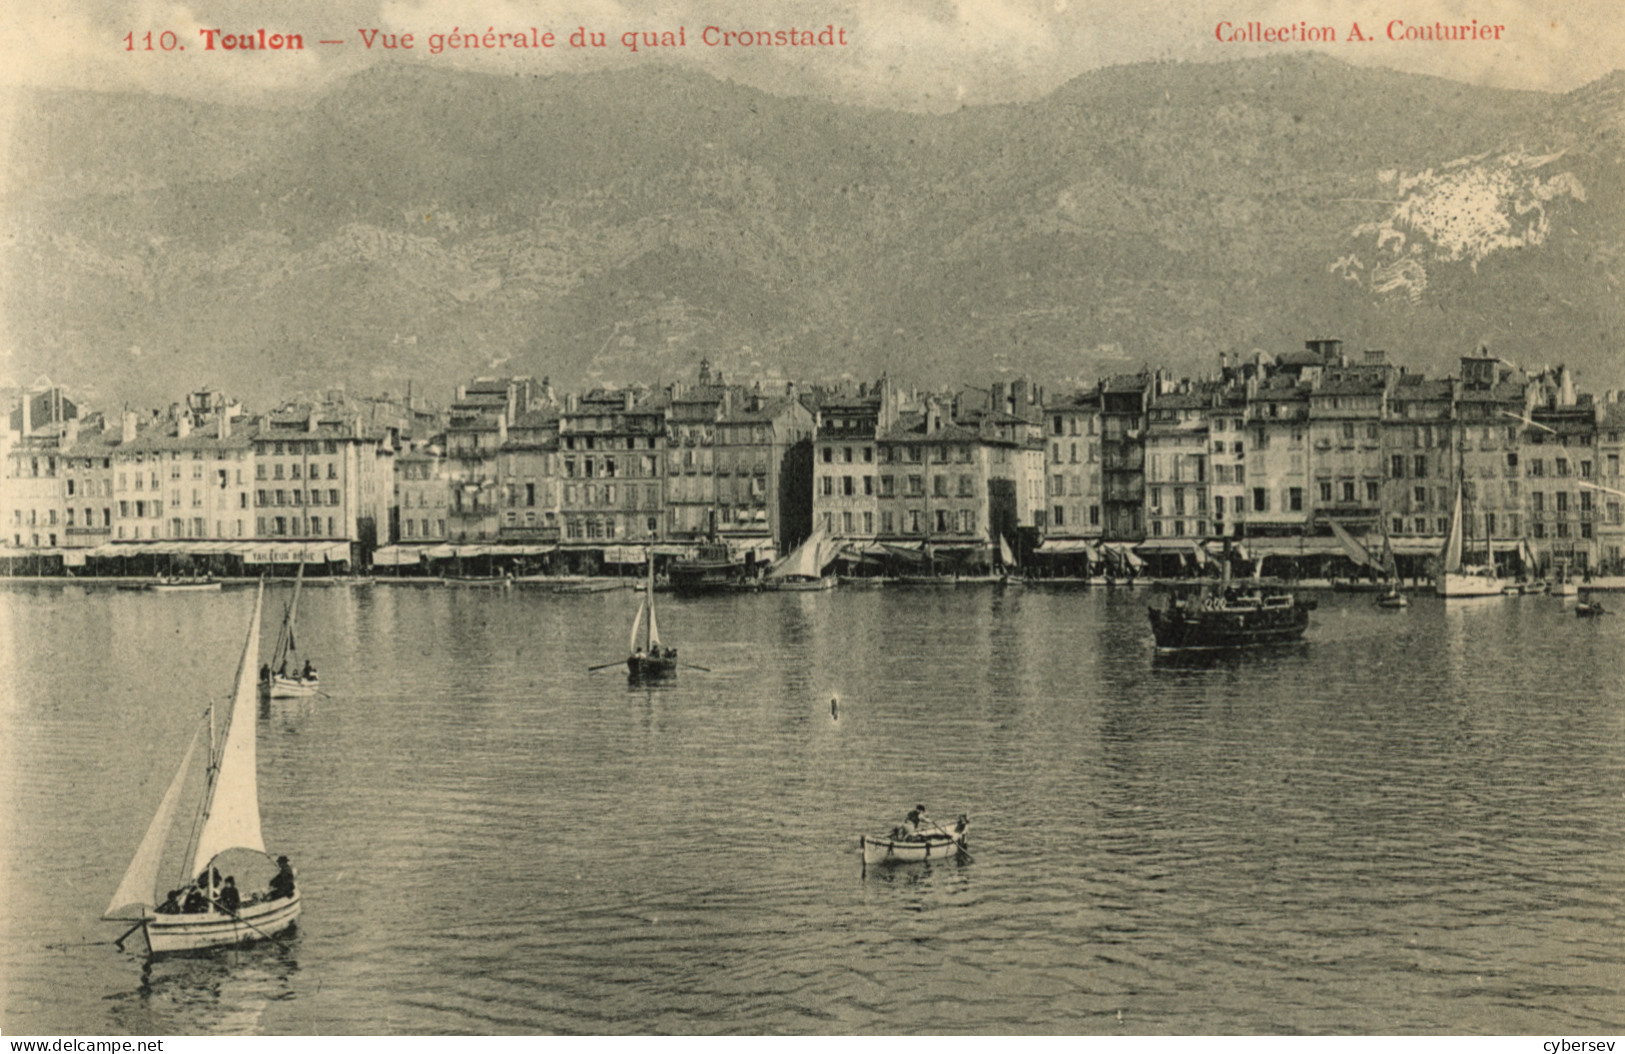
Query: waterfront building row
pixel 1269 452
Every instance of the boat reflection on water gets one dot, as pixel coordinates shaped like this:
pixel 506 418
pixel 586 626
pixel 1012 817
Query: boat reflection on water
pixel 1226 658
pixel 221 990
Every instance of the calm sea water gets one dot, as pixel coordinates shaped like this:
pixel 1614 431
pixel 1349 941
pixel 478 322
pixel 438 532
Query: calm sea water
pixel 1412 822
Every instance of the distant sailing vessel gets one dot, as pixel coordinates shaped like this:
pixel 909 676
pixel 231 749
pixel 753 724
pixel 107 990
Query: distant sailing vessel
pixel 1456 579
pixel 803 569
pixel 276 679
pixel 226 839
pixel 649 659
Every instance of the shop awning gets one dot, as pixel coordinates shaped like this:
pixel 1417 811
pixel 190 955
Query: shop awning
pixel 1066 546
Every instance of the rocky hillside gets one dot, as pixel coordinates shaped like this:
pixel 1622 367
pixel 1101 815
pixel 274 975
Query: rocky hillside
pixel 429 225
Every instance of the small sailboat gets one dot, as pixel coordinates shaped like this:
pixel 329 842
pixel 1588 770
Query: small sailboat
pixel 649 659
pixel 803 569
pixel 1456 579
pixel 1393 598
pixel 226 840
pixel 277 680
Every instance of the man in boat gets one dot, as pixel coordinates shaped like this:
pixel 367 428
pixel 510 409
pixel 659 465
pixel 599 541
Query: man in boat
pixel 230 900
pixel 282 882
pixel 916 820
pixel 310 672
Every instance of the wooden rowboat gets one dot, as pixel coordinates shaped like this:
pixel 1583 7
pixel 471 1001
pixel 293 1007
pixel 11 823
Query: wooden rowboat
pixel 940 844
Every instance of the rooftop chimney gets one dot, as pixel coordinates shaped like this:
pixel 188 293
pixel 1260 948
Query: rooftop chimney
pixel 127 430
pixel 183 426
pixel 222 425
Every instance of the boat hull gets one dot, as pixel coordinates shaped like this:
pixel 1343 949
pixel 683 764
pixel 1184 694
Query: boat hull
pixel 255 922
pixel 184 587
pixel 906 851
pixel 641 668
pixel 292 688
pixel 1202 630
pixel 800 585
pixel 1462 586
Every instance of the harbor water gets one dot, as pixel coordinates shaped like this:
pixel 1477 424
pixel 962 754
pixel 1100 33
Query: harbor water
pixel 1410 822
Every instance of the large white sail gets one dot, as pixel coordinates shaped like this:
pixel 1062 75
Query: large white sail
pixel 138 890
pixel 1356 551
pixel 1451 557
pixel 232 808
pixel 637 627
pixel 805 562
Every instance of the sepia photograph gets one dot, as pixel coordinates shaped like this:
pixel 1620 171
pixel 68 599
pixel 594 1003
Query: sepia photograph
pixel 690 518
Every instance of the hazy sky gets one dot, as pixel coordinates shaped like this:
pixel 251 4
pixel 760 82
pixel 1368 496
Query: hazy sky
pixel 915 54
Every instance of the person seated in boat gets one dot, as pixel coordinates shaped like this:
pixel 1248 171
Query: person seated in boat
pixel 914 821
pixel 172 903
pixel 229 899
pixel 310 672
pixel 265 673
pixel 196 902
pixel 282 883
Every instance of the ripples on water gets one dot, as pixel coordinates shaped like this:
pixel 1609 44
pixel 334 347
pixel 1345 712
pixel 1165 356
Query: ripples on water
pixel 1411 822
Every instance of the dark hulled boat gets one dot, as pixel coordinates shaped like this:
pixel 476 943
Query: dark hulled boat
pixel 712 569
pixel 649 659
pixel 1229 618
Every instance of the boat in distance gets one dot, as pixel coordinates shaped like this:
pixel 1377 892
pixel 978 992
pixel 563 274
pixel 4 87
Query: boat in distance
pixel 228 839
pixel 649 660
pixel 1233 618
pixel 900 848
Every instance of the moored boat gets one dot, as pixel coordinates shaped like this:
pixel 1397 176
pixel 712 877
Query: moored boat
pixel 227 840
pixel 176 584
pixel 712 569
pixel 1230 618
pixel 1457 580
pixel 803 570
pixel 1589 608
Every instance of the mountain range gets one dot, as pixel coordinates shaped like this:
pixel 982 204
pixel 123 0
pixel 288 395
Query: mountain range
pixel 425 225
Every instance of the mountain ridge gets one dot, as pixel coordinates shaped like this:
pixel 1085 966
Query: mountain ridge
pixel 416 224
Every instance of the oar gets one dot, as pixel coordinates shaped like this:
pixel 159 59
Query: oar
pixel 119 944
pixel 703 669
pixel 958 842
pixel 606 665
pixel 245 922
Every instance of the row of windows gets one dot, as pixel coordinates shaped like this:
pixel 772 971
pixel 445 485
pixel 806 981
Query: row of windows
pixel 295 447
pixel 292 471
pixel 295 527
pixel 295 497
pixel 912 521
pixel 913 486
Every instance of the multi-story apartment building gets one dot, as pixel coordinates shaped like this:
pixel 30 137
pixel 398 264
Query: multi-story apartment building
pixel 1176 462
pixel 1227 420
pixel 422 494
pixel 1559 458
pixel 764 459
pixel 1609 489
pixel 1073 476
pixel 1123 403
pixel 613 450
pixel 1277 443
pixel 528 479
pixel 950 490
pixel 847 483
pixel 1419 460
pixel 318 477
pixel 1347 406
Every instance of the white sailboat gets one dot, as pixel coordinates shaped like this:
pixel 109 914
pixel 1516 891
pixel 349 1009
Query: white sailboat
pixel 803 569
pixel 277 680
pixel 1456 579
pixel 226 840
pixel 649 660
